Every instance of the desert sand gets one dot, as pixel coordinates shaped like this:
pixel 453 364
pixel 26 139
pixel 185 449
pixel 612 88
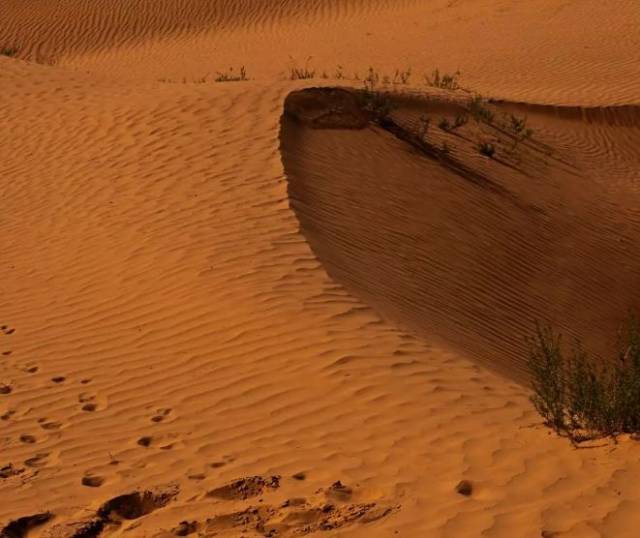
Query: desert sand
pixel 218 320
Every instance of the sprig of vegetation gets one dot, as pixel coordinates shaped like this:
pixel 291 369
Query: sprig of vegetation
pixel 11 52
pixel 402 76
pixel 424 122
pixel 580 398
pixel 302 73
pixel 479 110
pixel 519 129
pixel 231 76
pixel 443 81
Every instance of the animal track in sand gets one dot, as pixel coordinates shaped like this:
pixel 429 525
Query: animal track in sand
pixel 31 369
pixel 158 441
pixel 49 425
pixel 6 330
pixel 9 470
pixel 58 379
pixel 5 389
pixel 27 439
pixel 161 414
pixel 39 460
pixel 7 414
pixel 92 481
pixel 89 402
pixel 7 353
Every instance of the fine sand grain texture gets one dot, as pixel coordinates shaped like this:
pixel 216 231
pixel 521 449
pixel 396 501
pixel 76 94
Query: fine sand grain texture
pixel 244 309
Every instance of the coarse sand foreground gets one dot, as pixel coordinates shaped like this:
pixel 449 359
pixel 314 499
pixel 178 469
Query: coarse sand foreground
pixel 220 320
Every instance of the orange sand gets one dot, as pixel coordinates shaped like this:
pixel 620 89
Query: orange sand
pixel 195 290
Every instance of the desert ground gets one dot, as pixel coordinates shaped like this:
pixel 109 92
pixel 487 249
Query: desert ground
pixel 235 308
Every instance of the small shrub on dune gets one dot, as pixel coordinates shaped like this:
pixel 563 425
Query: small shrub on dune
pixel 301 73
pixel 402 77
pixel 479 110
pixel 9 51
pixel 232 76
pixel 443 81
pixel 580 397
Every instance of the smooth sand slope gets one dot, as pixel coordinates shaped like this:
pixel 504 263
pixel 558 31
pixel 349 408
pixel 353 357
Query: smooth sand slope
pixel 218 321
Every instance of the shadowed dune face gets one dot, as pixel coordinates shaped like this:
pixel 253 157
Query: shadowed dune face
pixel 548 235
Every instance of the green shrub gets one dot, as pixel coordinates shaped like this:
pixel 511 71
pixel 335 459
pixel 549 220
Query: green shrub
pixel 9 51
pixel 580 397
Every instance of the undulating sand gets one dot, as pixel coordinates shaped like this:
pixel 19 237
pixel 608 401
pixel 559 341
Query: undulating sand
pixel 217 320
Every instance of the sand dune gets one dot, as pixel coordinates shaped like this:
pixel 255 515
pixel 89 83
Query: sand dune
pixel 478 259
pixel 217 321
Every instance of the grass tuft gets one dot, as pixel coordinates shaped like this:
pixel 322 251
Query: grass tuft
pixel 11 52
pixel 232 76
pixel 443 81
pixel 301 73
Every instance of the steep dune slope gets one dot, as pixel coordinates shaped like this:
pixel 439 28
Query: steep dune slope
pixel 214 322
pixel 548 237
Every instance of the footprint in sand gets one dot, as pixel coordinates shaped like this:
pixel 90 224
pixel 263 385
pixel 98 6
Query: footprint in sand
pixel 48 424
pixel 6 330
pixel 58 379
pixel 89 402
pixel 7 353
pixel 92 481
pixel 163 442
pixel 5 389
pixel 31 369
pixel 27 439
pixel 39 460
pixel 161 414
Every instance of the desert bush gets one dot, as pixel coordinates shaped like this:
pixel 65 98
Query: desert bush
pixel 444 81
pixel 231 76
pixel 580 397
pixel 479 111
pixel 8 51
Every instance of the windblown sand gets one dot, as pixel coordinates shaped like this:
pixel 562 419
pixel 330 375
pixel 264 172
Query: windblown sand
pixel 220 321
